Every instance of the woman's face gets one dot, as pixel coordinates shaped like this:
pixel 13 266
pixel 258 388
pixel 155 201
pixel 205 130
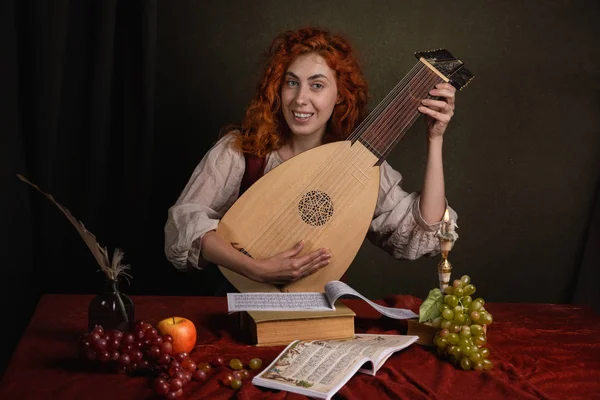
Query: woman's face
pixel 308 95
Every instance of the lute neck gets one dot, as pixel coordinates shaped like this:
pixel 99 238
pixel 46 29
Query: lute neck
pixel 385 126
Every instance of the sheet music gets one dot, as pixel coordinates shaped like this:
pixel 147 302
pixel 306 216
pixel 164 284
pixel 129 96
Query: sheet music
pixel 307 301
pixel 337 289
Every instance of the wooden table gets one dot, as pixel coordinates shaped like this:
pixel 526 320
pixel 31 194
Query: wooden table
pixel 540 351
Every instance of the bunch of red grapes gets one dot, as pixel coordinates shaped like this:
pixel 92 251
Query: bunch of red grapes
pixel 146 351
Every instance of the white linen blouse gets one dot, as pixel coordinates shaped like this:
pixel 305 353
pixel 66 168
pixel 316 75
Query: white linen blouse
pixel 397 225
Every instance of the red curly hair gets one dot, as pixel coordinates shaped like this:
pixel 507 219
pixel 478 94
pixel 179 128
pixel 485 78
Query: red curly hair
pixel 264 128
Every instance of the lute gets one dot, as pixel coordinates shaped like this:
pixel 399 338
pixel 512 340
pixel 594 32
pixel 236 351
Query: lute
pixel 326 196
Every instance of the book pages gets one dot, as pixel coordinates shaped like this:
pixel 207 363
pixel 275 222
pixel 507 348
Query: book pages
pixel 320 368
pixel 278 302
pixel 337 289
pixel 308 301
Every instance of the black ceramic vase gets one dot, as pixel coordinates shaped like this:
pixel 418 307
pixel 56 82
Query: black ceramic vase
pixel 111 309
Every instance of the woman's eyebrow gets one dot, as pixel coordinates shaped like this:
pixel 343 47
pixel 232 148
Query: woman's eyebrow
pixel 311 78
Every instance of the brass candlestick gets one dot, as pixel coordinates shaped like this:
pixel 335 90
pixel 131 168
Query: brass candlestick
pixel 447 236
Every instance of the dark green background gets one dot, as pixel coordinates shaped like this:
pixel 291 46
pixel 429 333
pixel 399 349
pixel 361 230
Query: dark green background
pixel 522 154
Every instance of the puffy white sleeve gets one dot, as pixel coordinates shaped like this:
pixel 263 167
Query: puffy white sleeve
pixel 397 225
pixel 210 192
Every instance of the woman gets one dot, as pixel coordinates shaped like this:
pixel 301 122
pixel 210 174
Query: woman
pixel 312 92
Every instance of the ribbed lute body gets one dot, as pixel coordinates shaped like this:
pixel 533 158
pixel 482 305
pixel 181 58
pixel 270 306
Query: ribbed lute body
pixel 327 196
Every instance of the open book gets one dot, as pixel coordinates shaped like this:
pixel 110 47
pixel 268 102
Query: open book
pixel 322 367
pixel 306 301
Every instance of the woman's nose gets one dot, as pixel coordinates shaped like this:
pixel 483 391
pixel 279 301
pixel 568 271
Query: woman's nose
pixel 301 96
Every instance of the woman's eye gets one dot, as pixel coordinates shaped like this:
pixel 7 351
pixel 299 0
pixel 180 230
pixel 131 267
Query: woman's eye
pixel 292 83
pixel 317 86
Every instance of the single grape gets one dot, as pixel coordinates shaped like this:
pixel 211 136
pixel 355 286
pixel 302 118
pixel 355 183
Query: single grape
pixel 175 395
pixel 465 332
pixel 255 363
pixel 476 357
pixel 161 386
pixel 164 358
pixel 485 352
pixel 235 363
pixel 466 363
pixel 175 384
pixel 103 356
pixel 128 338
pixel 151 333
pixel 486 318
pixel 466 301
pixel 476 329
pixel 451 300
pixel 181 356
pixel 458 292
pixel 166 347
pixel 156 341
pixel 245 374
pixel 453 338
pixel 199 375
pixel 113 344
pixel 445 324
pixel 460 318
pixel 457 283
pixel 480 340
pixel 454 328
pixel 237 374
pixel 144 364
pixel 236 384
pixel 227 379
pixel 487 364
pixel 189 365
pixel 188 377
pixel 466 279
pixel 153 352
pixel 204 366
pixel 475 306
pixel 99 330
pixel 124 360
pixel 218 361
pixel 469 290
pixel 448 315
pixel 449 290
pixel 167 338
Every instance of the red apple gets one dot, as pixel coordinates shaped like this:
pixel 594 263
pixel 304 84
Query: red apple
pixel 182 330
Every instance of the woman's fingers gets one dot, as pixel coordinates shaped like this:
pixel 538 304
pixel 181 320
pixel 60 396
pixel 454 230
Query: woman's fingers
pixel 294 251
pixel 312 267
pixel 442 117
pixel 437 105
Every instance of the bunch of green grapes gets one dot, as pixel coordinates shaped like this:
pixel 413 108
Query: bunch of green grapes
pixel 462 335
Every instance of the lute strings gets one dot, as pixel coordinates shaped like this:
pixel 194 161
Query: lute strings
pixel 397 110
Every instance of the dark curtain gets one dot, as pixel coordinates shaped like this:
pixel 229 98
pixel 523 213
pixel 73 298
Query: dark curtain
pixel 79 122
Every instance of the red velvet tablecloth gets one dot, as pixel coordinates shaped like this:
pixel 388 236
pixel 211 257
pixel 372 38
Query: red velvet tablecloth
pixel 540 352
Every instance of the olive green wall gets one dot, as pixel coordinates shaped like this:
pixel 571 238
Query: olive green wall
pixel 522 155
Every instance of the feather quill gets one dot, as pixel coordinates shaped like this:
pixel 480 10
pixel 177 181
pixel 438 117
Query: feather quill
pixel 112 269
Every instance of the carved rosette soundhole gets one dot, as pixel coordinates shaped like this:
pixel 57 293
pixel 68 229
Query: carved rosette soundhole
pixel 315 208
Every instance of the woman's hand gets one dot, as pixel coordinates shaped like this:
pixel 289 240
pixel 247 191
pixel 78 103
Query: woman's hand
pixel 438 112
pixel 287 267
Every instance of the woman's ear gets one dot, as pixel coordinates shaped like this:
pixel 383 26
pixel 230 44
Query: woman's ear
pixel 339 99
